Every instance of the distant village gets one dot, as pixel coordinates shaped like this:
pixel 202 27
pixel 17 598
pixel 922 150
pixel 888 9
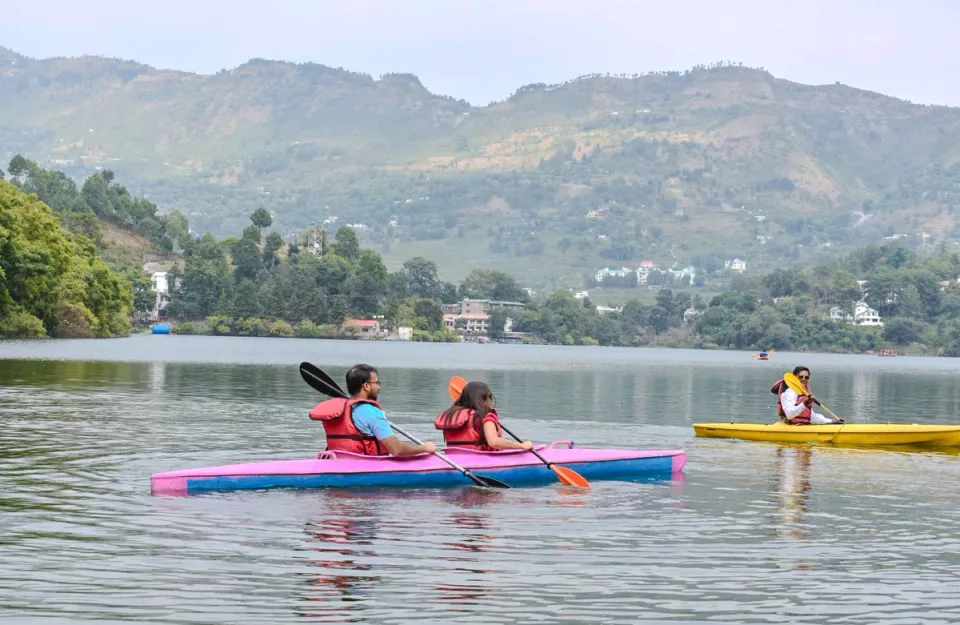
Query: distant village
pixel 650 274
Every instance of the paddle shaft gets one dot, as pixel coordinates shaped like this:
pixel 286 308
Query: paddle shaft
pixel 453 464
pixel 534 451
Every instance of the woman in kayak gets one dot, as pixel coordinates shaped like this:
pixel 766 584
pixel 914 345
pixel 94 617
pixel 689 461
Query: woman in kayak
pixel 798 409
pixel 472 421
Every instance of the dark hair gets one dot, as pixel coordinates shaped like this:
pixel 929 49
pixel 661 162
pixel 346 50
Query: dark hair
pixel 472 397
pixel 357 376
pixel 797 370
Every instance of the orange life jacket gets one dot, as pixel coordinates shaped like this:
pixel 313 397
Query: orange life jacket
pixel 464 427
pixel 803 417
pixel 342 434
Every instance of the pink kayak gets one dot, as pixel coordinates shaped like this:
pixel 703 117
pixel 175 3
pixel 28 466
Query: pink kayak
pixel 345 469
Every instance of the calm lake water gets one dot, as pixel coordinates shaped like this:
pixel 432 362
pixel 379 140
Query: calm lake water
pixel 750 533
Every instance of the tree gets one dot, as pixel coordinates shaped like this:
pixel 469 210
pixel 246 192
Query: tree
pixel 430 312
pixel 901 330
pixel 346 244
pixel 421 276
pixel 271 244
pixel 910 305
pixel 246 259
pixel 50 277
pixel 178 228
pixel 498 318
pixel 369 283
pixel 261 218
pixel 252 233
pixel 493 285
pixel 246 304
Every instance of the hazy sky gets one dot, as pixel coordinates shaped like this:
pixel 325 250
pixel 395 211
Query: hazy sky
pixel 484 50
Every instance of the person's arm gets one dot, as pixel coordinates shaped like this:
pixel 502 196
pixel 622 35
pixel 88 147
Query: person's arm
pixel 498 442
pixel 398 448
pixel 380 428
pixel 788 400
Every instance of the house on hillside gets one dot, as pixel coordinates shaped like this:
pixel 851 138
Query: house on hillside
pixel 863 315
pixel 161 287
pixel 610 272
pixel 735 265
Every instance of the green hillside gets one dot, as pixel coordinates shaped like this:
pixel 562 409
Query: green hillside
pixel 681 168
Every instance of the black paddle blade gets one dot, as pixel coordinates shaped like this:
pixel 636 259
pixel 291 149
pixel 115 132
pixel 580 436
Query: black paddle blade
pixel 326 378
pixel 489 481
pixel 320 381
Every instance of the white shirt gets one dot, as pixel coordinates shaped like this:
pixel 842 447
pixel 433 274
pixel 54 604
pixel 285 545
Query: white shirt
pixel 788 401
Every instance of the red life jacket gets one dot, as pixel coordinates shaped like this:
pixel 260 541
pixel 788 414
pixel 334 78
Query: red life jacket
pixel 342 434
pixel 464 427
pixel 803 417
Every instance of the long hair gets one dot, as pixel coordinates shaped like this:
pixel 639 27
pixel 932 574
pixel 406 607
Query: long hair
pixel 472 397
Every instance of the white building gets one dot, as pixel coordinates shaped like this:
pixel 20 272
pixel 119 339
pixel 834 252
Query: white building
pixel 735 265
pixel 623 272
pixel 161 287
pixel 863 315
pixel 474 323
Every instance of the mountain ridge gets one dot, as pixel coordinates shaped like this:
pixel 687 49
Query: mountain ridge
pixel 603 160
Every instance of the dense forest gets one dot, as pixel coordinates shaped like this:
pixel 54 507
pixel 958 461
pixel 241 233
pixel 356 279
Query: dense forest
pixel 52 281
pixel 254 285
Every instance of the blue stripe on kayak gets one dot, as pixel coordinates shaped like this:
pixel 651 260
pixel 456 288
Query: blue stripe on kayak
pixel 633 470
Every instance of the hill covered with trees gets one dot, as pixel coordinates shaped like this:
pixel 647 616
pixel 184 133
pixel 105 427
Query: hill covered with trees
pixel 682 168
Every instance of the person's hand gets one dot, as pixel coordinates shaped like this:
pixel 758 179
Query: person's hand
pixel 811 399
pixel 526 445
pixel 430 447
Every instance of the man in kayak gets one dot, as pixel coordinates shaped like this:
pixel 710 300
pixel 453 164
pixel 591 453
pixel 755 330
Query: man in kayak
pixel 798 409
pixel 359 424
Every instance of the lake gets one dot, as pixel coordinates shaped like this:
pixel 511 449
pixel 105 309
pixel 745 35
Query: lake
pixel 749 533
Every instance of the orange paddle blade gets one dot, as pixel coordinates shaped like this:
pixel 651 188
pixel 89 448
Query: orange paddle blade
pixel 570 477
pixel 456 387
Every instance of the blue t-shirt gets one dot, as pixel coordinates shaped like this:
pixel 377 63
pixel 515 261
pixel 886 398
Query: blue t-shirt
pixel 372 421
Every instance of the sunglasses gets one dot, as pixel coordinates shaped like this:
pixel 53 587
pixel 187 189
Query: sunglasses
pixel 804 377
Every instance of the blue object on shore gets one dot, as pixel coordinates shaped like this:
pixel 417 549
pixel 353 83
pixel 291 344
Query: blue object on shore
pixel 161 328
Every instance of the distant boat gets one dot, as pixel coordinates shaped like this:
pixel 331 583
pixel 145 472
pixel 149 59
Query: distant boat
pixel 887 352
pixel 764 355
pixel 161 328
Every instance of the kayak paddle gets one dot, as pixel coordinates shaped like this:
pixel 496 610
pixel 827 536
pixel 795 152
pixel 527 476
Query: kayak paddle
pixel 323 383
pixel 567 476
pixel 797 387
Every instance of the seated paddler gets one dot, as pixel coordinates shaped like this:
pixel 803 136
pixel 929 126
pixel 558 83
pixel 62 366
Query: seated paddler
pixel 472 422
pixel 358 424
pixel 797 408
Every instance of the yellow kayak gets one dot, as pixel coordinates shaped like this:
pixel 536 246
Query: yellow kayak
pixel 840 434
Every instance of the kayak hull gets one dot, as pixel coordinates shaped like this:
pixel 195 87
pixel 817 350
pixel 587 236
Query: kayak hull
pixel 841 434
pixel 345 470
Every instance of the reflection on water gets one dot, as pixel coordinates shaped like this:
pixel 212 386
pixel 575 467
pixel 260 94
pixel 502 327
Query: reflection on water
pixel 793 490
pixel 750 532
